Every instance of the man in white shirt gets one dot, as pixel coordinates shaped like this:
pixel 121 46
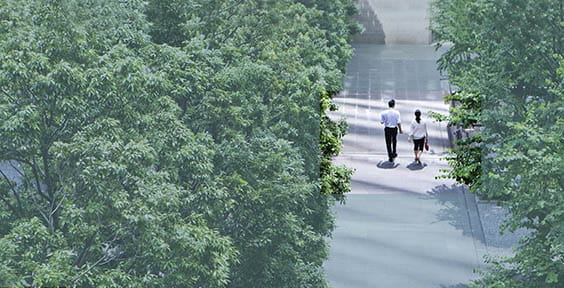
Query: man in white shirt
pixel 392 121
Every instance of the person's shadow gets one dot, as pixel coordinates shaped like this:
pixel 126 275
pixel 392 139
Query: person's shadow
pixel 413 166
pixel 387 165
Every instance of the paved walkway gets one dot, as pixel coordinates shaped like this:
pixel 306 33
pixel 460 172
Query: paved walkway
pixel 400 226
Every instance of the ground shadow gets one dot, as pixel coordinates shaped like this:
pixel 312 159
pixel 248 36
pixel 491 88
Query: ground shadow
pixel 458 210
pixel 373 31
pixel 492 217
pixel 477 220
pixel 387 165
pixel 414 166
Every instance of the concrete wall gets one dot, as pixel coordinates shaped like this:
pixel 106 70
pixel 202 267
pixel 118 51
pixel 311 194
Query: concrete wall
pixel 394 21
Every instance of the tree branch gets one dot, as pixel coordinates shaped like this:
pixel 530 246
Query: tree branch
pixel 84 251
pixel 106 258
pixel 37 181
pixel 53 211
pixel 59 129
pixel 34 203
pixel 9 205
pixel 11 97
pixel 13 188
pixel 89 268
pixel 16 168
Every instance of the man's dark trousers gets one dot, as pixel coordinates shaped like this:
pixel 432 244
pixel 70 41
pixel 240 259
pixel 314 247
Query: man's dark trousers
pixel 391 141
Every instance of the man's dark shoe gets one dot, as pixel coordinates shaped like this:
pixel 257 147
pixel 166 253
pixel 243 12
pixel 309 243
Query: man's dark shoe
pixel 391 160
pixel 395 155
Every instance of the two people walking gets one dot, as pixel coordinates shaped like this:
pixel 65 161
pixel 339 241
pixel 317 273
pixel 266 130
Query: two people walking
pixel 391 119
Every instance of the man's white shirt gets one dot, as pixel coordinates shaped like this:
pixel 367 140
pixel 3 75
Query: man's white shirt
pixel 390 118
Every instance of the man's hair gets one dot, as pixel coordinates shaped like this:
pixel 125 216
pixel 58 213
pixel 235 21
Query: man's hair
pixel 392 103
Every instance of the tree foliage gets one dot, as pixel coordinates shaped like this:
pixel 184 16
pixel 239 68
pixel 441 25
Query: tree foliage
pixel 169 143
pixel 272 64
pixel 515 71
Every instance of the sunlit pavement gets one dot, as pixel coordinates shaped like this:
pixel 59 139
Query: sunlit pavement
pixel 400 227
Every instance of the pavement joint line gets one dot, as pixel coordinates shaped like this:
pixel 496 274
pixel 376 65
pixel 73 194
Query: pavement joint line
pixel 470 223
pixel 464 189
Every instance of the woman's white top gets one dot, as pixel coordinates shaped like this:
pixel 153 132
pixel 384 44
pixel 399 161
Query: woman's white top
pixel 418 130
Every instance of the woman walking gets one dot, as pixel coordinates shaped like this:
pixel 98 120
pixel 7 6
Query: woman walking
pixel 419 135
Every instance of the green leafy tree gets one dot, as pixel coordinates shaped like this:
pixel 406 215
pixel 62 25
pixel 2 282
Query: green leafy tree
pixel 177 144
pixel 103 160
pixel 516 73
pixel 268 71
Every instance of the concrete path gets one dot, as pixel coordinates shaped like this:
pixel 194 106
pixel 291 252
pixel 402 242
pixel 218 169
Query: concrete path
pixel 394 21
pixel 400 227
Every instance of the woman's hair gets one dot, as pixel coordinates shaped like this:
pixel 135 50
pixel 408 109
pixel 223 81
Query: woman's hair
pixel 418 116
